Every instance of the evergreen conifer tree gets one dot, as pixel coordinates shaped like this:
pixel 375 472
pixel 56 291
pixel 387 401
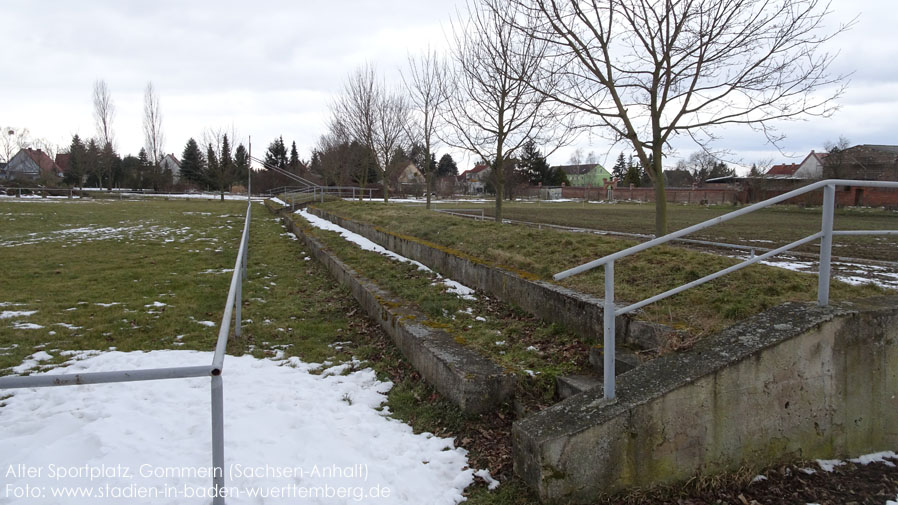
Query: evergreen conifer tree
pixel 193 164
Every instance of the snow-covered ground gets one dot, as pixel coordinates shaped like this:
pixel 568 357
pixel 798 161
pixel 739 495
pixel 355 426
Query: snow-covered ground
pixel 288 433
pixel 849 272
pixel 451 286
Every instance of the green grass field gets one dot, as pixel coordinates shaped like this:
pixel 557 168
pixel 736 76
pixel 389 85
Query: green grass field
pixel 769 228
pixel 154 275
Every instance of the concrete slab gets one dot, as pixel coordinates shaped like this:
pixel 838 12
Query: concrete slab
pixel 570 385
pixel 797 381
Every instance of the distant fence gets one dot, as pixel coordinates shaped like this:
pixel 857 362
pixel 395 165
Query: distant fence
pixel 743 193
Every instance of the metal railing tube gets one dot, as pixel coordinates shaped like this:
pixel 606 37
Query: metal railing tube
pixel 218 463
pixel 77 379
pixel 225 328
pixel 686 231
pixel 826 244
pixel 608 352
pixel 720 273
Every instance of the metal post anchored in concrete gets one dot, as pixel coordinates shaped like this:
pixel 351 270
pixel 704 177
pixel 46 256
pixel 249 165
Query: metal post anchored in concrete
pixel 826 244
pixel 608 338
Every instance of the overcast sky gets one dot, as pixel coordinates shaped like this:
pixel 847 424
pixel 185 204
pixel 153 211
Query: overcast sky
pixel 268 68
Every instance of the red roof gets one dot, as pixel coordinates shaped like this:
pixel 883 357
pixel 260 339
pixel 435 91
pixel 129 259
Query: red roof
pixel 62 160
pixel 42 160
pixel 476 170
pixel 783 169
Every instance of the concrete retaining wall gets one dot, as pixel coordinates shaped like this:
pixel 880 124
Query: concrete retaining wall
pixel 579 312
pixel 797 381
pixel 468 379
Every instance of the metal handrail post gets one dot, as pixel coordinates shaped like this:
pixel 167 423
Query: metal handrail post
pixel 826 244
pixel 218 481
pixel 608 340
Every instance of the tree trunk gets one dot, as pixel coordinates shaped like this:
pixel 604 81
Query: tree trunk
pixel 428 176
pixel 499 177
pixel 386 188
pixel 660 198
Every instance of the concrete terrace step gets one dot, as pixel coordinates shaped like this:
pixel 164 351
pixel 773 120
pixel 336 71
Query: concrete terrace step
pixel 579 312
pixel 466 378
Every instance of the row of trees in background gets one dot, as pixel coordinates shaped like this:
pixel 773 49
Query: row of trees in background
pixel 95 162
pixel 216 169
pixel 638 72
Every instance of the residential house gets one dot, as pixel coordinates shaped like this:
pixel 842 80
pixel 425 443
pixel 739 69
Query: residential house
pixel 812 166
pixel 474 180
pixel 784 171
pixel 169 162
pixel 586 175
pixel 863 162
pixel 409 174
pixel 32 164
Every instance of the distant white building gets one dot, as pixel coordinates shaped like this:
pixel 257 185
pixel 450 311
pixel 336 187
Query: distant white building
pixel 169 162
pixel 811 167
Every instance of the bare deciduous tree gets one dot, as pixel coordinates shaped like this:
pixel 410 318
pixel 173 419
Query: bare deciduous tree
pixel 12 140
pixel 427 94
pixel 368 114
pixel 104 112
pixel 354 112
pixel 154 138
pixel 492 110
pixel 391 127
pixel 647 71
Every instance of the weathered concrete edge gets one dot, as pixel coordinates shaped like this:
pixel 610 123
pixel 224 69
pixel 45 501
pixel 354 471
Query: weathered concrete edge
pixel 580 312
pixel 588 432
pixel 466 378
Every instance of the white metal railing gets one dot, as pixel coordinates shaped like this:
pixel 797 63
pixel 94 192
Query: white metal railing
pixel 825 235
pixel 232 311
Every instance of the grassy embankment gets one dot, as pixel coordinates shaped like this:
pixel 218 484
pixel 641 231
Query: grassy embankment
pixel 539 253
pixel 771 227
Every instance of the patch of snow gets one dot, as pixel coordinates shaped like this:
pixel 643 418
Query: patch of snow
pixel 759 478
pixel 490 481
pixel 480 318
pixel 108 304
pixel 156 304
pixel 308 423
pixel 206 323
pixel 278 201
pixel 454 287
pixel 217 271
pixel 828 465
pixel 18 325
pixel 31 362
pixel 8 314
pixel 876 457
pixel 532 348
